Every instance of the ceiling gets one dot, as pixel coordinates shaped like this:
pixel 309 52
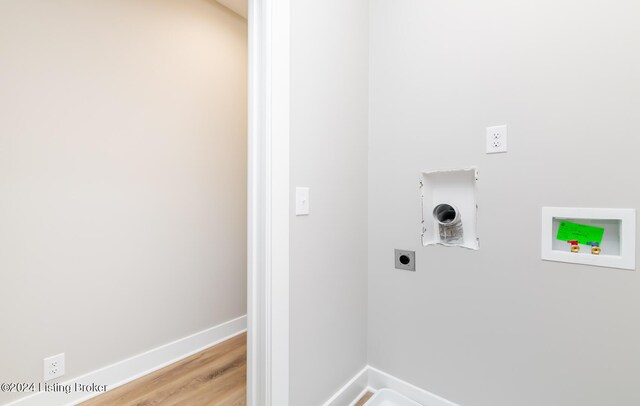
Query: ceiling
pixel 238 6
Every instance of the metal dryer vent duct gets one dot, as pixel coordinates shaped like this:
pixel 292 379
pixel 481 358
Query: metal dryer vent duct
pixel 449 222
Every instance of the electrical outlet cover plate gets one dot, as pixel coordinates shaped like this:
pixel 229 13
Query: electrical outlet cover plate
pixel 497 139
pixel 53 367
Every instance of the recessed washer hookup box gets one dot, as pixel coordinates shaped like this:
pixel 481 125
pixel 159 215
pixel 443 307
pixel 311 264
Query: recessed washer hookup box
pixel 589 236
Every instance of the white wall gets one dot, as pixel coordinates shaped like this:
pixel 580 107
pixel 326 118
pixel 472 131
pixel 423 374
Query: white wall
pixel 499 327
pixel 122 178
pixel 329 59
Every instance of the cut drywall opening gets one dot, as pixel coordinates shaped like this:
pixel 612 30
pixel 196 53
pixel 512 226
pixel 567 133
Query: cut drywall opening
pixel 449 208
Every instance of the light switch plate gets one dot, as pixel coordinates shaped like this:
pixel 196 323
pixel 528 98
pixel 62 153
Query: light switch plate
pixel 497 139
pixel 302 201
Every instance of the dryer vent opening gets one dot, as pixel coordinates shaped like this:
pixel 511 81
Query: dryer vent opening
pixel 449 208
pixel 446 214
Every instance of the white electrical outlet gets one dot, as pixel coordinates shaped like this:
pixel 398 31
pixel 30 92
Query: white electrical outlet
pixel 53 367
pixel 497 139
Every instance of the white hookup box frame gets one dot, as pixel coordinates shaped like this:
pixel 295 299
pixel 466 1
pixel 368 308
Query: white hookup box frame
pixel 450 208
pixel 618 248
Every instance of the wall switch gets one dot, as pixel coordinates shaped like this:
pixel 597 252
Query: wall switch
pixel 53 367
pixel 497 139
pixel 302 201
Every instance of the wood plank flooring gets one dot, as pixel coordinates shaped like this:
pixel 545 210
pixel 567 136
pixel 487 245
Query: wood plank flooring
pixel 214 377
pixel 364 399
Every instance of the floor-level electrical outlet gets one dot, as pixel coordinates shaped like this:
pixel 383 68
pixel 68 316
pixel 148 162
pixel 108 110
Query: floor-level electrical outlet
pixel 496 139
pixel 53 367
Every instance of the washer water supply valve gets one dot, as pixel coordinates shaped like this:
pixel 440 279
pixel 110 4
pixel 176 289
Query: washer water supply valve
pixel 595 247
pixel 575 248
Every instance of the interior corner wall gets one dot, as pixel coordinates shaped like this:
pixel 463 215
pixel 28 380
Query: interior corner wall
pixel 498 326
pixel 329 103
pixel 122 178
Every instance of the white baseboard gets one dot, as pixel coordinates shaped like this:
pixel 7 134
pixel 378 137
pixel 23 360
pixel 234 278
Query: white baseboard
pixel 372 380
pixel 379 380
pixel 137 366
pixel 354 389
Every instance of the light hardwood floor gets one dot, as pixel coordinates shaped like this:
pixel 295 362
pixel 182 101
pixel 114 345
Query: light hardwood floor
pixel 214 377
pixel 364 399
